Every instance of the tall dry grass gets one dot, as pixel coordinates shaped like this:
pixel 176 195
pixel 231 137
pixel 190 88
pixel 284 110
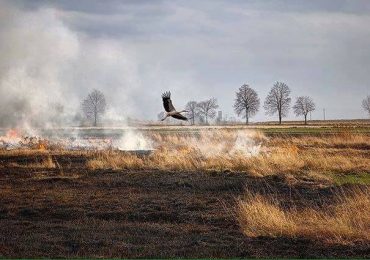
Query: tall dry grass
pixel 236 150
pixel 346 221
pixel 111 160
pixel 247 151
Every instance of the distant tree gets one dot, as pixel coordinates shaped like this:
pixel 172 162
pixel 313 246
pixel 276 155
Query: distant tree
pixel 366 104
pixel 94 105
pixel 201 120
pixel 246 103
pixel 207 109
pixel 278 100
pixel 303 106
pixel 192 108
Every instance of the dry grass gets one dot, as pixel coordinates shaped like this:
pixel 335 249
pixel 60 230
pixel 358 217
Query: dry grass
pixel 245 150
pixel 347 221
pixel 248 151
pixel 110 160
pixel 344 139
pixel 44 163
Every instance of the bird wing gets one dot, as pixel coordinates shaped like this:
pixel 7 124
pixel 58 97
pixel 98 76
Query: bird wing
pixel 167 103
pixel 180 117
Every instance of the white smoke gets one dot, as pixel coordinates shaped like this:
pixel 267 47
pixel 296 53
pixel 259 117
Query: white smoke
pixel 245 144
pixel 133 141
pixel 228 144
pixel 46 69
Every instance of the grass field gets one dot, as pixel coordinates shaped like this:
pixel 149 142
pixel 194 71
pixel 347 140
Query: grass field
pixel 220 192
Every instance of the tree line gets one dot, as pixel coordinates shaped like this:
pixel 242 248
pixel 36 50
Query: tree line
pixel 278 101
pixel 246 105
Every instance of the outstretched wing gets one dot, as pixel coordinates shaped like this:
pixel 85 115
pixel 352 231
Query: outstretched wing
pixel 167 103
pixel 180 117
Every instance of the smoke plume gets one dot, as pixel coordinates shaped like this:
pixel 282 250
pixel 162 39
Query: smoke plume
pixel 46 69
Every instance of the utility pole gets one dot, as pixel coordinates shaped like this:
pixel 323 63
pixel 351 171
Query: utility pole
pixel 324 113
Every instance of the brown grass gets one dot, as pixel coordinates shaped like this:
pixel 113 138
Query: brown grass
pixel 245 150
pixel 45 162
pixel 347 221
pixel 248 151
pixel 115 161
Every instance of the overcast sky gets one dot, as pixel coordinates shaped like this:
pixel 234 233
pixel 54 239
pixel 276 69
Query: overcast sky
pixel 135 50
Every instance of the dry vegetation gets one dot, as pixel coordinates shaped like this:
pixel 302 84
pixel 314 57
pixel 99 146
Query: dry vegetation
pixel 180 200
pixel 346 221
pixel 249 151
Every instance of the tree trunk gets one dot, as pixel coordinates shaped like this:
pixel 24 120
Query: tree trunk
pixel 279 119
pixel 305 119
pixel 246 115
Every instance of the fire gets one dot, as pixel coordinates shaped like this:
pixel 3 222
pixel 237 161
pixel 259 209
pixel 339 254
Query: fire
pixel 12 133
pixel 42 146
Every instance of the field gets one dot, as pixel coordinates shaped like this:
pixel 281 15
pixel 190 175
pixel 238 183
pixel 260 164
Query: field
pixel 218 192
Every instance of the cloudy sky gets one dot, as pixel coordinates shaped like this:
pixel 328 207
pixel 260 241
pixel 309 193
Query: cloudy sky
pixel 134 50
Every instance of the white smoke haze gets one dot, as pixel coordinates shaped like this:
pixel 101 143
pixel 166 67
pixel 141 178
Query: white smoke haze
pixel 46 69
pixel 216 143
pixel 246 144
pixel 133 141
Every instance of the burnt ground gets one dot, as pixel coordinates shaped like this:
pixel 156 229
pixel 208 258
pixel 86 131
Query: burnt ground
pixel 72 212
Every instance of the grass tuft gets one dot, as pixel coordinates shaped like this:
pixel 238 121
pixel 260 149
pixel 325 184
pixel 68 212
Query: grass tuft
pixel 345 222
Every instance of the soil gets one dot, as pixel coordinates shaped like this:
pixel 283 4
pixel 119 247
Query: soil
pixel 70 211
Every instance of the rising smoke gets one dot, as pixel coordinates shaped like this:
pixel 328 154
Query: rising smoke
pixel 46 69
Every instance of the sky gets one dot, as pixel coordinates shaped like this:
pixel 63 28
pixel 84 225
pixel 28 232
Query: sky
pixel 55 52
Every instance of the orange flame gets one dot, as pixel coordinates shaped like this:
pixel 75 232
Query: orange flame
pixel 12 133
pixel 42 146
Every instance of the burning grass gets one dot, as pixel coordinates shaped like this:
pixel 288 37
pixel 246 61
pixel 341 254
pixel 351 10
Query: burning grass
pixel 250 152
pixel 219 150
pixel 346 221
pixel 54 188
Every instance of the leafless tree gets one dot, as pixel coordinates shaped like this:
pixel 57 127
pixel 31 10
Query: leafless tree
pixel 278 100
pixel 94 105
pixel 192 108
pixel 303 106
pixel 246 103
pixel 366 104
pixel 207 108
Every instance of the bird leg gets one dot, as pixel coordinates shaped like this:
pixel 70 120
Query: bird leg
pixel 164 117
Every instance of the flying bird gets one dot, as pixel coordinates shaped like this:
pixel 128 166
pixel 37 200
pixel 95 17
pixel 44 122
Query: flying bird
pixel 170 109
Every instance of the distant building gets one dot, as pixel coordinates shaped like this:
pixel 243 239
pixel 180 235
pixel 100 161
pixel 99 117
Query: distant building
pixel 219 116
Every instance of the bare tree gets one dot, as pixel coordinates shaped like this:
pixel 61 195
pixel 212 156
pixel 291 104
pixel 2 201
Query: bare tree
pixel 366 104
pixel 246 103
pixel 94 105
pixel 303 106
pixel 207 108
pixel 278 100
pixel 192 108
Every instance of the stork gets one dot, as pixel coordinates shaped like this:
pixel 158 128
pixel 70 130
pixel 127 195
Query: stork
pixel 170 109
